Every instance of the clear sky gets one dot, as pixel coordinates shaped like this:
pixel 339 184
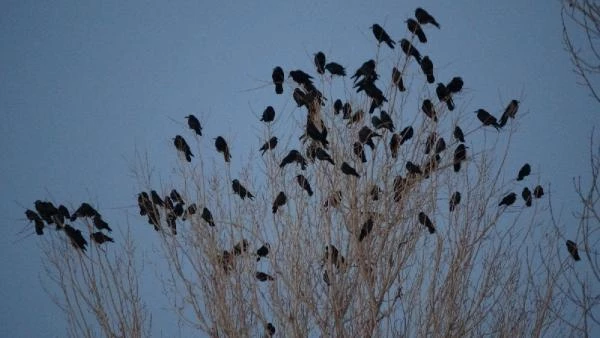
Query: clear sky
pixel 83 85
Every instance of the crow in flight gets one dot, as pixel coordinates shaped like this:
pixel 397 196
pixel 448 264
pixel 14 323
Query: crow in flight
pixel 508 199
pixel 397 79
pixel 348 170
pixel 76 238
pixel 335 69
pixel 278 77
pixel 406 134
pixel 526 194
pixel 410 50
pixel 270 144
pixel 454 200
pixel 460 154
pixel 455 85
pixel 366 228
pixel 538 191
pixel 444 95
pixel 415 28
pixel 194 124
pixel 487 119
pixel 510 111
pixel 100 224
pixel 413 168
pixel 382 36
pixel 99 237
pixel 207 217
pixel 427 67
pixel 359 151
pixel 183 147
pixel 294 156
pixel 424 220
pixel 423 17
pixel 428 109
pixel 263 277
pixel 222 147
pixel 572 248
pixel 263 251
pixel 239 189
pixel 268 115
pixel 458 134
pixel 304 184
pixel 524 172
pixel 320 62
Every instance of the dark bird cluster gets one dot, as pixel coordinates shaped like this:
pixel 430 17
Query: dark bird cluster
pixel 172 205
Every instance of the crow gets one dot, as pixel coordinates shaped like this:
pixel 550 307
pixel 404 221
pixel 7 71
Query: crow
pixel 46 210
pixel 430 142
pixel 270 329
pixel 172 222
pixel 178 210
pixel 268 115
pixel 454 200
pixel 440 145
pixel 335 69
pixel 395 145
pixel 314 133
pixel 410 50
pixel 156 199
pixel 458 134
pixel 301 78
pixel 526 194
pixel 357 117
pixel 270 144
pixel 538 191
pixel 239 189
pixel 348 170
pixel 366 228
pixel 428 109
pixel 194 124
pixel 487 119
pixel 294 156
pixel 76 238
pixel 100 237
pixel 39 224
pixel 424 220
pixel 263 251
pixel 169 203
pixel 278 77
pixel 337 106
pixel 510 111
pixel 100 224
pixel 415 28
pixel 263 277
pixel 322 155
pixel 332 254
pixel 524 172
pixel 359 151
pixel 413 168
pixel 460 154
pixel 63 212
pixel 382 36
pixel 365 136
pixel 508 199
pixel 191 210
pixel 367 70
pixel 406 134
pixel 444 95
pixel 207 217
pixel 347 110
pixel 183 147
pixel 304 184
pixel 320 62
pixel 240 247
pixel 386 121
pixel 143 203
pixel 427 67
pixel 397 79
pixel 84 210
pixel 399 185
pixel 176 197
pixel 455 85
pixel 572 248
pixel 300 97
pixel 423 17
pixel 222 147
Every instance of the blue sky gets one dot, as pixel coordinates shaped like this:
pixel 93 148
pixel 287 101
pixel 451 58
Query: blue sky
pixel 86 85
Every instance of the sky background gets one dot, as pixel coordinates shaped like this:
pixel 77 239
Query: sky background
pixel 84 86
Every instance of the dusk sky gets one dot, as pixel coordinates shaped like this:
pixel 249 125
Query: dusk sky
pixel 88 86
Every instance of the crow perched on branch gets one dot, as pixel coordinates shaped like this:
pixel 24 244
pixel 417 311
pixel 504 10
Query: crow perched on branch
pixel 304 184
pixel 268 114
pixel 294 156
pixel 415 28
pixel 427 67
pixel 207 217
pixel 359 151
pixel 194 124
pixel 454 200
pixel 428 109
pixel 397 79
pixel 270 144
pixel 100 224
pixel 455 85
pixel 487 119
pixel 423 17
pixel 278 78
pixel 263 251
pixel 239 189
pixel 526 194
pixel 366 228
pixel 100 237
pixel 302 78
pixel 538 191
pixel 406 134
pixel 458 134
pixel 510 111
pixel 76 238
pixel 348 170
pixel 320 62
pixel 335 69
pixel 444 95
pixel 424 220
pixel 222 147
pixel 410 50
pixel 460 154
pixel 182 146
pixel 382 36
pixel 508 199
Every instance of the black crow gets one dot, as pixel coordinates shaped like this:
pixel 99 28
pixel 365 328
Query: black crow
pixel 460 154
pixel 176 197
pixel 240 247
pixel 410 50
pixel 278 77
pixel 239 189
pixel 279 201
pixel 508 199
pixel 263 277
pixel 382 36
pixel 39 223
pixel 406 134
pixel 335 69
pixel 194 124
pixel 526 194
pixel 458 134
pixel 270 144
pixel 207 217
pixel 320 62
pixel 386 121
pixel 99 237
pixel 100 224
pixel 84 210
pixel 415 28
pixel 268 114
pixel 156 199
pixel 455 85
pixel 524 172
pixel 510 111
pixel 427 67
pixel 428 109
pixel 348 170
pixel 337 106
pixel 270 329
pixel 538 191
pixel 46 210
pixel 572 248
pixel 395 145
pixel 397 79
pixel 367 70
pixel 178 210
pixel 365 136
pixel 302 78
pixel 413 168
pixel 263 251
pixel 294 156
pixel 300 97
pixel 454 200
pixel 359 151
pixel 222 147
pixel 487 119
pixel 440 145
pixel 424 220
pixel 183 147
pixel 322 155
pixel 366 228
pixel 444 95
pixel 347 110
pixel 304 184
pixel 423 17
pixel 76 238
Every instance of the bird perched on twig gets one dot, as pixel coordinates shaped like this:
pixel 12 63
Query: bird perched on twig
pixel 222 147
pixel 270 144
pixel 382 36
pixel 194 124
pixel 239 189
pixel 423 17
pixel 415 28
pixel 183 147
pixel 278 78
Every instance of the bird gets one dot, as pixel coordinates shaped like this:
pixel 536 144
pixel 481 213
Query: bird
pixel 191 210
pixel 395 145
pixel 508 199
pixel 458 134
pixel 84 210
pixel 454 200
pixel 428 109
pixel 37 220
pixel 444 95
pixel 572 248
pixel 356 117
pixel 270 329
pixel 76 238
pixel 263 277
pixel 335 69
pixel 314 133
pixel 194 124
pixel 538 191
pixel 182 146
pixel 239 189
pixel 176 197
pixel 99 237
pixel 423 17
pixel 397 79
pixel 415 28
pixel 424 220
pixel 413 168
pixel 63 212
pixel 410 50
pixel 240 247
pixel 399 185
pixel 510 111
pixel 359 151
pixel 365 136
pixel 337 106
pixel 526 194
pixel 406 134
pixel 332 255
pixel 487 119
pixel 348 170
pixel 278 78
pixel 178 209
pixel 460 154
pixel 207 217
pixel 279 201
pixel 440 145
pixel 430 142
pixel 333 199
pixel 156 199
pixel 366 70
pixel 294 156
pixel 299 97
pixel 322 155
pixel 427 68
pixel 320 62
pixel 263 251
pixel 46 210
pixel 386 121
pixel 382 36
pixel 268 114
pixel 100 224
pixel 222 147
pixel 524 172
pixel 366 228
pixel 304 184
pixel 347 111
pixel 301 78
pixel 270 144
pixel 455 85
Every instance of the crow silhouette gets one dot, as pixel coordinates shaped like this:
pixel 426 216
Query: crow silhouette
pixel 508 199
pixel 410 50
pixel 263 251
pixel 99 237
pixel 302 78
pixel 207 217
pixel 194 124
pixel 415 28
pixel 397 79
pixel 538 191
pixel 366 228
pixel 458 134
pixel 239 189
pixel 365 136
pixel 382 36
pixel 440 145
pixel 278 78
pixel 423 17
pixel 524 172
pixel 406 134
pixel 487 119
pixel 460 154
pixel 337 106
pixel 427 67
pixel 367 71
pixel 294 156
pixel 263 277
pixel 270 144
pixel 455 85
pixel 572 248
pixel 424 220
pixel 182 146
pixel 268 114
pixel 156 199
pixel 454 200
pixel 176 197
pixel 526 194
pixel 335 69
pixel 395 145
pixel 444 95
pixel 413 168
pixel 428 109
pixel 304 184
pixel 510 111
pixel 76 238
pixel 222 147
pixel 84 210
pixel 100 224
pixel 320 62
pixel 348 170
